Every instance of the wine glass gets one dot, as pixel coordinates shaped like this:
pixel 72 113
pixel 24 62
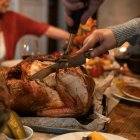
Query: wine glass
pixel 29 47
pixel 122 55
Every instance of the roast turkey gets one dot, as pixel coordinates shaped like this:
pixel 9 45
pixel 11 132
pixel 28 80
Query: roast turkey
pixel 65 93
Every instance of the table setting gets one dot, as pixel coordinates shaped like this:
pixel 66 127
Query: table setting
pixel 104 105
pixel 114 100
pixel 110 103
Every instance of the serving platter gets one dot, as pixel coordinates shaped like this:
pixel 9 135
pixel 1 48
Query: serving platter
pixel 62 125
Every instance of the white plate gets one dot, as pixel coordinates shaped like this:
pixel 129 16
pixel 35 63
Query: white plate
pixel 121 95
pixel 79 135
pixel 126 98
pixel 131 96
pixel 11 63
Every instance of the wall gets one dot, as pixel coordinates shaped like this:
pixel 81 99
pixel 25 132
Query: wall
pixel 61 22
pixel 117 11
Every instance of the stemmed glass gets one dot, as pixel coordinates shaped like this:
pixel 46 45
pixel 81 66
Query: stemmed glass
pixel 122 55
pixel 29 47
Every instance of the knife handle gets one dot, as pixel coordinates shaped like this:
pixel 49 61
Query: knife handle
pixel 76 16
pixel 87 53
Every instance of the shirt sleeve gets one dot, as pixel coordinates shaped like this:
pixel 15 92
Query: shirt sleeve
pixel 29 26
pixel 129 31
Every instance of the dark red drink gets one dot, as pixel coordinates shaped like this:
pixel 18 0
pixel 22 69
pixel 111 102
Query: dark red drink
pixel 25 56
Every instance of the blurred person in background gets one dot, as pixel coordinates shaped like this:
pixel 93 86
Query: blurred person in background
pixel 14 25
pixel 73 5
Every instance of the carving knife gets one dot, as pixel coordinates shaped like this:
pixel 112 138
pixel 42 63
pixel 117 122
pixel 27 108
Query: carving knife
pixel 73 61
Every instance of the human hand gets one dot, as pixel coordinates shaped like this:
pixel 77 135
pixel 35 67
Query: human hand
pixel 73 5
pixel 106 39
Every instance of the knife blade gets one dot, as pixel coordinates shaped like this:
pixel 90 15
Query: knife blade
pixel 73 61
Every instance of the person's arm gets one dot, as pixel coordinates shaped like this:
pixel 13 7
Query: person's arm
pixel 129 31
pixel 72 5
pixel 29 26
pixel 56 33
pixel 112 37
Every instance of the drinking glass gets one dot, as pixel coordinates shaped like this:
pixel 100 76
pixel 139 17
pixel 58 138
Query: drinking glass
pixel 29 47
pixel 121 55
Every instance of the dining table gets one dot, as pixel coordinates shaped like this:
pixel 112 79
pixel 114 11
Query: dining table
pixel 125 122
pixel 124 118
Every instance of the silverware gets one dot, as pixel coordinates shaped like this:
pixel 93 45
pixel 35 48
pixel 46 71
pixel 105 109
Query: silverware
pixel 61 63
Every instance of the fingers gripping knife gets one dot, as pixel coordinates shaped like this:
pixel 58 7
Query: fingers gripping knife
pixel 76 16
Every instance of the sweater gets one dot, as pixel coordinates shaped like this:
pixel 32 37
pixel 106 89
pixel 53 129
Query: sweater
pixel 129 31
pixel 14 26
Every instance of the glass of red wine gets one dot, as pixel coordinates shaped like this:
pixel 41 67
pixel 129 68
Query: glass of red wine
pixel 122 56
pixel 29 47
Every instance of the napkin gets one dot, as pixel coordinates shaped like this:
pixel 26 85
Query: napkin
pixel 112 101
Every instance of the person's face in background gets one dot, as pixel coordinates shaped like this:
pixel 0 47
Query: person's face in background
pixel 4 4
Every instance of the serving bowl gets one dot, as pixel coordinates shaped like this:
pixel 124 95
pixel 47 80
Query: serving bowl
pixel 29 133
